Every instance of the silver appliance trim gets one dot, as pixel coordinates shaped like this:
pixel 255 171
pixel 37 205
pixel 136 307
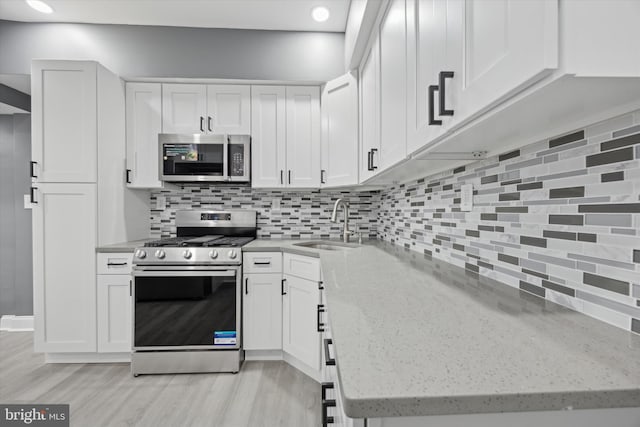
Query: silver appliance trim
pixel 224 140
pixel 186 362
pixel 192 273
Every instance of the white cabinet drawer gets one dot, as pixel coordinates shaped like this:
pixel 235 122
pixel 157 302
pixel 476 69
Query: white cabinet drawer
pixel 262 262
pixel 302 266
pixel 114 263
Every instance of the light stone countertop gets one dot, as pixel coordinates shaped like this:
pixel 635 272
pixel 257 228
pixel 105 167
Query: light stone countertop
pixel 415 336
pixel 122 247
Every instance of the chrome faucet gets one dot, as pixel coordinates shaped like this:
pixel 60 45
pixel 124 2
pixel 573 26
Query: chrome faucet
pixel 334 218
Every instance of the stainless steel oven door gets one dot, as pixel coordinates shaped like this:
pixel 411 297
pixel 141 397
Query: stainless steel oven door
pixel 186 308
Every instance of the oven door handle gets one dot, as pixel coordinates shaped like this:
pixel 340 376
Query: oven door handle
pixel 165 273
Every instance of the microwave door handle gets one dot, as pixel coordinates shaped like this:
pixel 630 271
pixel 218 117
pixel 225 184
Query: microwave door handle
pixel 225 158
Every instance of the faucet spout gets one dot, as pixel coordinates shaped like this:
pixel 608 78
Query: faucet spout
pixel 334 218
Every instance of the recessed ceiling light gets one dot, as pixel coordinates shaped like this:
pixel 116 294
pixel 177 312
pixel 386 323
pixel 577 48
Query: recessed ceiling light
pixel 40 6
pixel 320 13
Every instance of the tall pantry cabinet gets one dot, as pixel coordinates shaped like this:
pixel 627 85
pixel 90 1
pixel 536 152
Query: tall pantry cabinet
pixel 79 196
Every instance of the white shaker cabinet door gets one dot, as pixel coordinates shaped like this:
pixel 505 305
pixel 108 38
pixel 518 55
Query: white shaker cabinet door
pixel 144 123
pixel 229 109
pixel 184 108
pixel 64 121
pixel 340 132
pixel 303 137
pixel 370 113
pixel 393 124
pixel 114 313
pixel 300 337
pixel 64 267
pixel 268 136
pixel 262 312
pixel 503 46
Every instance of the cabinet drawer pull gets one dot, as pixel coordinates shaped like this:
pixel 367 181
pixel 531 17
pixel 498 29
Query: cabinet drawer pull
pixel 209 124
pixel 373 151
pixel 326 419
pixel 442 95
pixel 246 286
pixel 432 120
pixel 32 195
pixel 32 169
pixel 320 324
pixel 201 124
pixel 324 388
pixel 116 264
pixel 261 262
pixel 327 357
pixel 282 286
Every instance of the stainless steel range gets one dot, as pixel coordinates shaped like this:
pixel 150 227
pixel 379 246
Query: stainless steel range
pixel 187 295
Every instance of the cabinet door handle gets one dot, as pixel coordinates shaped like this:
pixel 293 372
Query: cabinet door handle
pixel 281 179
pixel 323 389
pixel 32 195
pixel 432 120
pixel 369 161
pixel 326 419
pixel 209 124
pixel 320 325
pixel 442 95
pixel 32 169
pixel 246 286
pixel 282 286
pixel 289 176
pixel 328 360
pixel 320 287
pixel 128 176
pixel 373 151
pixel 322 172
pixel 130 286
pixel 201 124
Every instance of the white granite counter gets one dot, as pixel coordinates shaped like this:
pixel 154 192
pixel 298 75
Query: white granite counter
pixel 122 247
pixel 414 336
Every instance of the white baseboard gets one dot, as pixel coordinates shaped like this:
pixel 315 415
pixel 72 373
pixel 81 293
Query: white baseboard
pixel 12 323
pixel 87 357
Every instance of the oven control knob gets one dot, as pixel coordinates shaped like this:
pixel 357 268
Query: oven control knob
pixel 232 254
pixel 187 254
pixel 213 254
pixel 141 254
pixel 160 254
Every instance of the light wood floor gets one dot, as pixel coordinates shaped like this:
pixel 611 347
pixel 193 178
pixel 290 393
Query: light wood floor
pixel 262 394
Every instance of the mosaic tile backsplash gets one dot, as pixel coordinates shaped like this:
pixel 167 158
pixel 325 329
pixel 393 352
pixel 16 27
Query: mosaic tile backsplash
pixel 301 214
pixel 559 218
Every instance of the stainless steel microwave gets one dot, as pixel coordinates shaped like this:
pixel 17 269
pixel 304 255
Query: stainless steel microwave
pixel 204 158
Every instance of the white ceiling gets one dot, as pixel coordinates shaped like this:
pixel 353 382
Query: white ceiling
pixel 287 15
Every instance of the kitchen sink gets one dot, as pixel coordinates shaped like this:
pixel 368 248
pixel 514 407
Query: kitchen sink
pixel 327 246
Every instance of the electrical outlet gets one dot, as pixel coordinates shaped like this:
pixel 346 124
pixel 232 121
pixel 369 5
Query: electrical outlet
pixel 466 197
pixel 275 204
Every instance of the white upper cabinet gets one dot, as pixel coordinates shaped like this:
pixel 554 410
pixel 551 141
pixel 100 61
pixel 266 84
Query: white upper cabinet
pixel 303 136
pixel 184 108
pixel 393 66
pixel 497 47
pixel 206 109
pixel 268 136
pixel 340 132
pixel 426 54
pixel 369 113
pixel 229 109
pixel 144 123
pixel 64 121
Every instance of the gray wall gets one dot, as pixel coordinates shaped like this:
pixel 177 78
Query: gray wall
pixel 145 51
pixel 16 292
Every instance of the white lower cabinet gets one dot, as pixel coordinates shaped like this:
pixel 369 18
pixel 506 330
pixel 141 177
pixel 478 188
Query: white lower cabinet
pixel 300 336
pixel 114 313
pixel 262 311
